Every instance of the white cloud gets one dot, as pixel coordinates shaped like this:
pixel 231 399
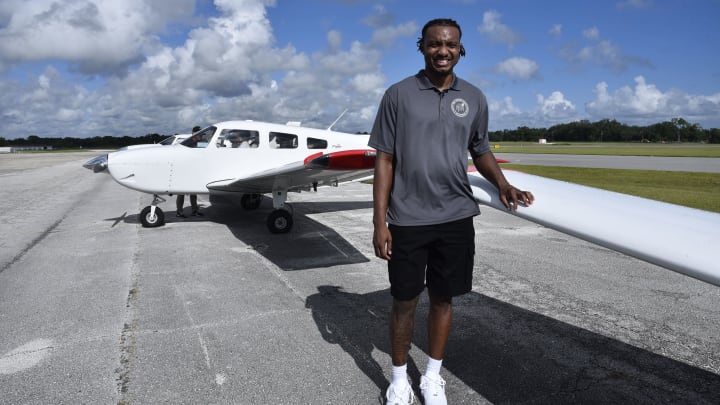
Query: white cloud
pixel 638 4
pixel 591 33
pixel 519 68
pixel 228 68
pixel 646 104
pixel 97 36
pixel 505 115
pixel 334 39
pixel 368 82
pixel 496 31
pixel 122 80
pixel 386 36
pixel 359 58
pixel 503 109
pixel 555 107
pixel 556 30
pixel 547 111
pixel 603 53
pixel 381 18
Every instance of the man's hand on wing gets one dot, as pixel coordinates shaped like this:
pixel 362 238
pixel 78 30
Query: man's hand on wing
pixel 511 196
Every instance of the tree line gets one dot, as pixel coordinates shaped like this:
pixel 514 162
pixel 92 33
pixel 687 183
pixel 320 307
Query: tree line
pixel 675 130
pixel 97 142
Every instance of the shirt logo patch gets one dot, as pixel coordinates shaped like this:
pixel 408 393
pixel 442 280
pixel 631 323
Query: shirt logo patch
pixel 460 107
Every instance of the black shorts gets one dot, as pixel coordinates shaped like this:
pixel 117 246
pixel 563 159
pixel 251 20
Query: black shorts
pixel 446 251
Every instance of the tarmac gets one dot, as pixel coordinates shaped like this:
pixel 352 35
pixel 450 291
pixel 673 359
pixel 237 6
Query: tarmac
pixel 96 309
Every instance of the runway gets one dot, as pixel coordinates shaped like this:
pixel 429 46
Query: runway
pixel 94 308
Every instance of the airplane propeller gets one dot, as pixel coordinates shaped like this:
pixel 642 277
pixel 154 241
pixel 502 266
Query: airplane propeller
pixel 97 164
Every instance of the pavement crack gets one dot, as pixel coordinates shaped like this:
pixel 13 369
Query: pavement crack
pixel 128 337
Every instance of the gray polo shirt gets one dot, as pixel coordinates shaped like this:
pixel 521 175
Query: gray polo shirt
pixel 429 134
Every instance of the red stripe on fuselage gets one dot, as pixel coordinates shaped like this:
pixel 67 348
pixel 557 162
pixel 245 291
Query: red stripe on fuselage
pixel 358 159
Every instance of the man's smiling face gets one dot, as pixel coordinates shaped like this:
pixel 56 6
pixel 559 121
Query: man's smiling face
pixel 441 49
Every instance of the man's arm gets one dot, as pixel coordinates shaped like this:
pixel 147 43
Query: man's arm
pixel 487 166
pixel 382 183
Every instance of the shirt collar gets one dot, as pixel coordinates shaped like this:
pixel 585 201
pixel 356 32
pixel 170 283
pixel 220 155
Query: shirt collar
pixel 425 84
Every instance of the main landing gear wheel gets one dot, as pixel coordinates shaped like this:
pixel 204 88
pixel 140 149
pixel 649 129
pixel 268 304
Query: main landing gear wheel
pixel 150 219
pixel 280 221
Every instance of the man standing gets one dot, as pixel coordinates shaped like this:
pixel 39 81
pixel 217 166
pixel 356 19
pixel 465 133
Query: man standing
pixel 180 200
pixel 423 206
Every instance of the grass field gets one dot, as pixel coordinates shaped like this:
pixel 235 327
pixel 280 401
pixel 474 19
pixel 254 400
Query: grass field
pixel 619 149
pixel 696 190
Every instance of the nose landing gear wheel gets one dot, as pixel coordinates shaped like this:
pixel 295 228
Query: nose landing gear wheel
pixel 150 219
pixel 279 221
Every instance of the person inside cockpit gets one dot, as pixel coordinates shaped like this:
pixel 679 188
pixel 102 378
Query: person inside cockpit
pixel 198 139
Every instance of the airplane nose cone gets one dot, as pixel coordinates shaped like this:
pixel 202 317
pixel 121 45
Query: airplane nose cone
pixel 97 164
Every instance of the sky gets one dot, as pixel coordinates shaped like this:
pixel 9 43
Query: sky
pixel 85 68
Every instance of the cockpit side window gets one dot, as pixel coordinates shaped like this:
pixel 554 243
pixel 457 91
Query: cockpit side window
pixel 315 143
pixel 238 138
pixel 281 140
pixel 199 139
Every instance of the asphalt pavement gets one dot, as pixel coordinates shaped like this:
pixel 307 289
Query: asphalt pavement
pixel 96 309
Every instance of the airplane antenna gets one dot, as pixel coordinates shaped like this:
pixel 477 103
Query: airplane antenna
pixel 338 119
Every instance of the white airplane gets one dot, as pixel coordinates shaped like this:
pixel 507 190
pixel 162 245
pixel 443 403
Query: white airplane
pixel 255 158
pixel 241 157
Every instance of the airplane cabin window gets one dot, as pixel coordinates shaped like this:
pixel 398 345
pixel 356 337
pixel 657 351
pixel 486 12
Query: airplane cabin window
pixel 280 140
pixel 315 143
pixel 239 138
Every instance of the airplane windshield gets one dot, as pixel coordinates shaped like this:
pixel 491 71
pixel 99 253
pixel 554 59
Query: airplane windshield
pixel 199 139
pixel 168 141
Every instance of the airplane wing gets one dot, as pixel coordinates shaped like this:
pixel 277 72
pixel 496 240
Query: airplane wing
pixel 678 238
pixel 316 170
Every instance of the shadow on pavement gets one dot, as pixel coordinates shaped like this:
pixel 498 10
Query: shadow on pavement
pixel 310 244
pixel 511 355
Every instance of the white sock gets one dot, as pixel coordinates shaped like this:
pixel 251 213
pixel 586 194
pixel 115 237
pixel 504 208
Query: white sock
pixel 433 367
pixel 399 375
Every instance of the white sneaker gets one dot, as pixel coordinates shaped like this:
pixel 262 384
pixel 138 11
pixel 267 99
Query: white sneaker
pixel 433 390
pixel 405 396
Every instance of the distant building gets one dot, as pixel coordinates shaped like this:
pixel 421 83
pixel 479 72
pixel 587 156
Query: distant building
pixel 13 149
